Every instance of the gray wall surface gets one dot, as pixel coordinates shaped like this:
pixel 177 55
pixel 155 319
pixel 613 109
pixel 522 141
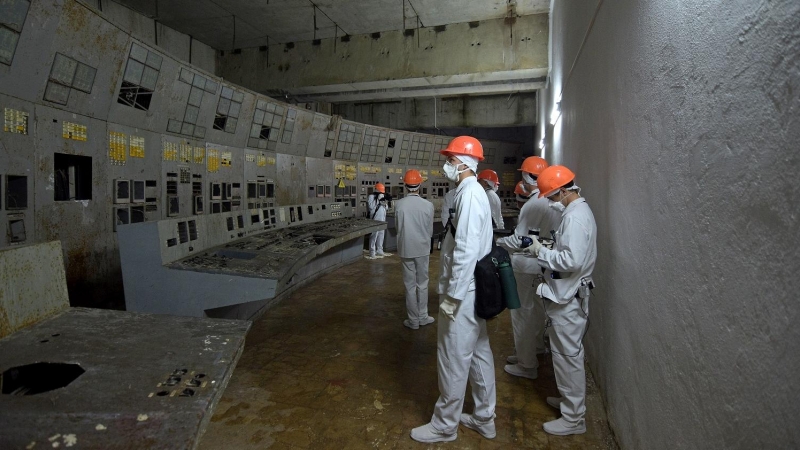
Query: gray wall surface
pixel 681 122
pixel 490 111
pixel 175 43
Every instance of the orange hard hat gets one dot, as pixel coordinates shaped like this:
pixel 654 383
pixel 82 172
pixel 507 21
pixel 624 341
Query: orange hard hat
pixel 412 177
pixel 520 190
pixel 533 165
pixel 489 174
pixel 553 178
pixel 464 145
pixel 380 187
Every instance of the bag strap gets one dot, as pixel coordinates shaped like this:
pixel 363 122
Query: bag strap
pixel 378 205
pixel 450 225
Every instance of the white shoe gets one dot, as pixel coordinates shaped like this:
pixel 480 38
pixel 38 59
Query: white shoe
pixel 512 359
pixel 486 429
pixel 426 433
pixel 519 371
pixel 427 321
pixel 384 254
pixel 555 402
pixel 371 257
pixel 409 324
pixel 560 427
pixel 379 255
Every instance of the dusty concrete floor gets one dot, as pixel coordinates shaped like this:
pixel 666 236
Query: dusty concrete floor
pixel 333 367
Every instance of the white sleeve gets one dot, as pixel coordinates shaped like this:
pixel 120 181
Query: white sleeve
pixel 572 247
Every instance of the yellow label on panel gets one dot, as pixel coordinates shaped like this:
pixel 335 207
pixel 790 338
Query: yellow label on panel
pixel 350 172
pixel 370 169
pixel 249 157
pixel 509 178
pixel 424 173
pixel 226 158
pixel 73 131
pixel 261 161
pixel 271 160
pixel 437 173
pixel 137 147
pixel 212 160
pixel 117 143
pixel 199 155
pixel 15 121
pixel 170 151
pixel 186 153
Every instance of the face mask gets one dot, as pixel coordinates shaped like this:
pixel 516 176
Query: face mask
pixel 528 178
pixel 495 188
pixel 451 171
pixel 557 205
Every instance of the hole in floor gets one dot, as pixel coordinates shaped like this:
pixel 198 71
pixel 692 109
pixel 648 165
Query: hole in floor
pixel 38 378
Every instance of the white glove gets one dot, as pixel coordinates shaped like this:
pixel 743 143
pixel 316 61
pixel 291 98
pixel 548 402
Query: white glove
pixel 448 307
pixel 533 249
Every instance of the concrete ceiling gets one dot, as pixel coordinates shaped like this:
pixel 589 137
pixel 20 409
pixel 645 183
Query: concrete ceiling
pixel 229 24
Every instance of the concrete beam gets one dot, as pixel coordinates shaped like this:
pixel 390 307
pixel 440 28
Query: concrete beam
pixel 429 113
pixel 488 57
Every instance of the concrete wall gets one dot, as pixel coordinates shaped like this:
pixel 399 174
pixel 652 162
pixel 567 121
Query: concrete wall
pixel 461 49
pixel 485 111
pixel 681 120
pixel 177 44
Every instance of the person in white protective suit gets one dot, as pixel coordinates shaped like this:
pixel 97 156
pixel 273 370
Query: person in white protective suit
pixel 565 294
pixel 536 218
pixel 463 351
pixel 377 205
pixel 491 182
pixel 414 221
pixel 522 194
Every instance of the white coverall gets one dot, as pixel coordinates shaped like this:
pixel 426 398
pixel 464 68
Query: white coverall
pixel 496 205
pixel 463 350
pixel 414 221
pixel 528 320
pixel 447 203
pixel 573 256
pixel 376 238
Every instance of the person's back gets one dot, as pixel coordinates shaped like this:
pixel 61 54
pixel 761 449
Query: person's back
pixel 495 207
pixel 377 204
pixel 527 322
pixel 574 252
pixel 537 214
pixel 491 182
pixel 414 222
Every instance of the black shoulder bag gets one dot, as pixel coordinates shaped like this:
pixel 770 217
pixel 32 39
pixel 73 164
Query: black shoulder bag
pixel 495 285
